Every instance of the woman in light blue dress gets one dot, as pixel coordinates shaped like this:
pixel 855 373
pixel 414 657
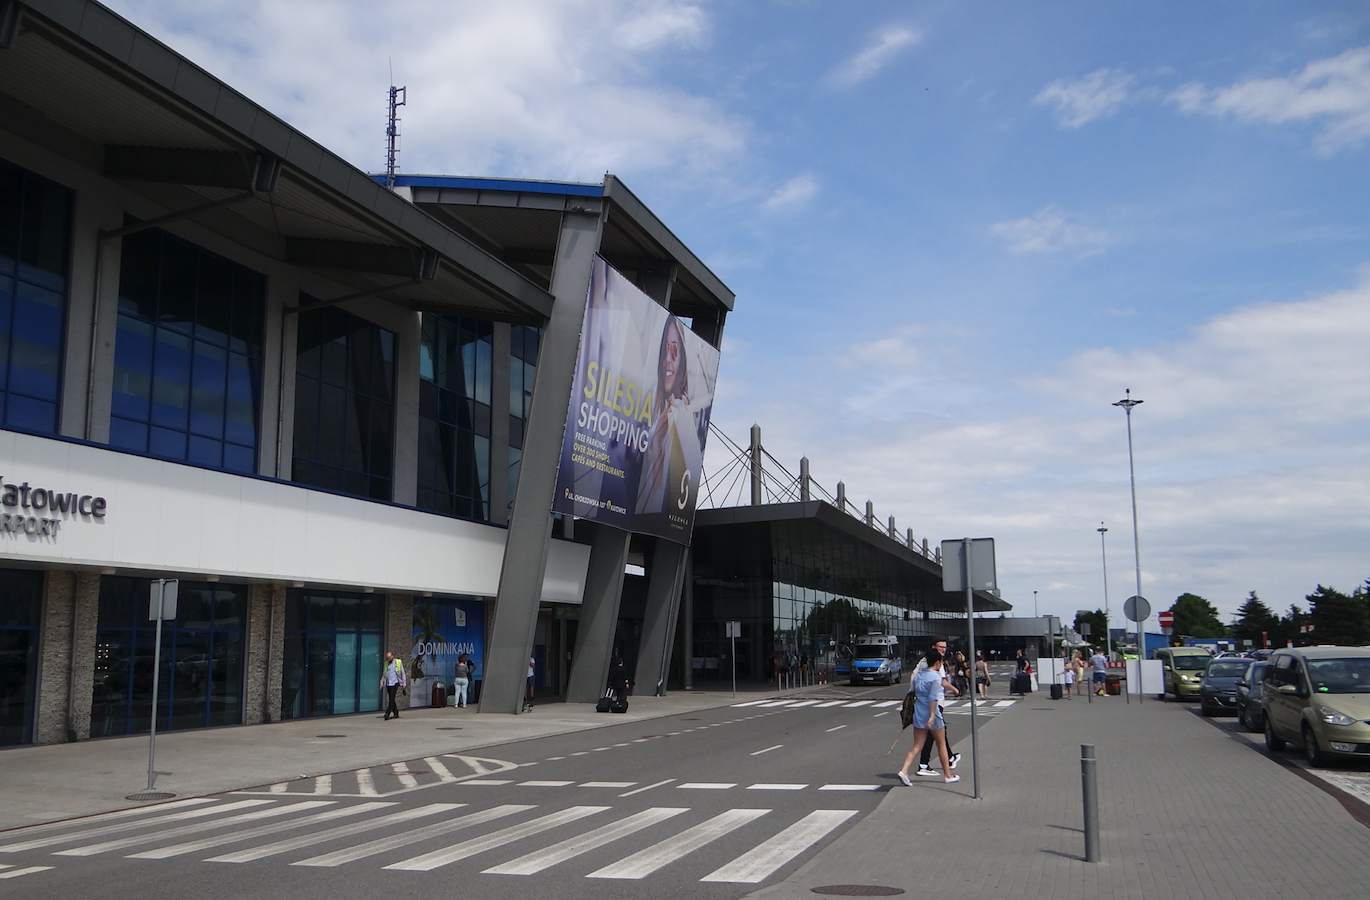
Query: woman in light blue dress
pixel 928 691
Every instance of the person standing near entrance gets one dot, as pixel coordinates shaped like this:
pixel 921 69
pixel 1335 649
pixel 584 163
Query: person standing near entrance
pixel 392 679
pixel 939 648
pixel 532 672
pixel 981 675
pixel 461 678
pixel 1100 664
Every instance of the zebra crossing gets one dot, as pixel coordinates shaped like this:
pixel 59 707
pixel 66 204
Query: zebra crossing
pixel 433 836
pixel 956 707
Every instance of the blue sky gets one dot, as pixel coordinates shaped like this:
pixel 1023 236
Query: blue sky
pixel 957 232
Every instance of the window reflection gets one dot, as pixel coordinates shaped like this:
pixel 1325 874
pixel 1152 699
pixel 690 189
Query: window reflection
pixel 454 416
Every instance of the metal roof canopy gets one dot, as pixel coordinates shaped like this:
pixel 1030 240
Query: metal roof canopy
pixel 821 530
pixel 517 220
pixel 83 82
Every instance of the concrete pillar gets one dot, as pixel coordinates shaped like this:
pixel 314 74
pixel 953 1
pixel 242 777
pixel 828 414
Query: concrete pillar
pixel 841 496
pixel 755 452
pixel 804 479
pixel 275 658
pixel 499 425
pixel 598 615
pixel 399 638
pixel 687 619
pixel 530 525
pixel 277 429
pixel 55 646
pixel 405 486
pixel 265 654
pixel 870 513
pixel 894 532
pixel 658 625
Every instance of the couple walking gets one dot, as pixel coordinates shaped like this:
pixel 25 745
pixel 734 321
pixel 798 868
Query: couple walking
pixel 928 687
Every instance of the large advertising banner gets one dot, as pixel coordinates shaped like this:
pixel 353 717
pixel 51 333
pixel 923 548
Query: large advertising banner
pixel 639 414
pixel 444 630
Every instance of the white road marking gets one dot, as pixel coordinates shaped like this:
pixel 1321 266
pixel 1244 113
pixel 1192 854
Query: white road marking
pixel 601 749
pixel 763 859
pixel 1005 703
pixel 750 703
pixel 648 787
pixel 323 784
pixel 29 870
pixel 581 753
pixel 830 703
pixel 280 787
pixel 177 831
pixel 429 861
pixel 767 750
pixel 365 786
pixel 706 785
pixel 545 783
pixel 776 703
pixel 837 728
pixel 803 703
pixel 850 787
pixel 112 816
pixel 608 784
pixel 554 758
pixel 233 837
pixel 445 775
pixel 492 782
pixel 333 834
pixel 624 744
pixel 776 787
pixel 887 703
pixel 401 771
pixel 858 703
pixel 532 863
pixel 407 838
pixel 126 826
pixel 645 862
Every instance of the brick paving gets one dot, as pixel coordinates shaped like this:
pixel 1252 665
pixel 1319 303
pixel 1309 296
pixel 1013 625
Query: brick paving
pixel 1185 812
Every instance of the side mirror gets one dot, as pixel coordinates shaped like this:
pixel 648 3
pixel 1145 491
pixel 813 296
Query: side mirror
pixel 1287 689
pixel 1243 683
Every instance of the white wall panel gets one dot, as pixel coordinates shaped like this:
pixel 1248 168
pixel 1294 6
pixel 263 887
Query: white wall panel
pixel 166 517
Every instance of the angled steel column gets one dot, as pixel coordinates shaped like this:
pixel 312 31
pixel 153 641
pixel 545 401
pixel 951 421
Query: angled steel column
pixel 658 625
pixel 598 615
pixel 530 524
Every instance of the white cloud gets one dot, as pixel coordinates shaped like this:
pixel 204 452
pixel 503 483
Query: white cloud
pixel 1250 453
pixel 888 43
pixel 1050 230
pixel 791 195
pixel 1099 93
pixel 522 87
pixel 1333 91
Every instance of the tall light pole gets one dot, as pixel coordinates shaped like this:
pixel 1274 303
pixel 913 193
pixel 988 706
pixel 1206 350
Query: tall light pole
pixel 1103 550
pixel 1034 605
pixel 1127 403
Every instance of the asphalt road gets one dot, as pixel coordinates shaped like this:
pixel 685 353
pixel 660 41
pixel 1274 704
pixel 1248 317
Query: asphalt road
pixel 710 804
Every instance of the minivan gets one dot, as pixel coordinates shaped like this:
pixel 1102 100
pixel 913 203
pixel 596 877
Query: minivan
pixel 1182 669
pixel 1318 697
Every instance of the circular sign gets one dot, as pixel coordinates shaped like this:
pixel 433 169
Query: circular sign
pixel 1166 618
pixel 1137 609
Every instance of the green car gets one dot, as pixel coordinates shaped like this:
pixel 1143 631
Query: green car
pixel 1319 697
pixel 1182 669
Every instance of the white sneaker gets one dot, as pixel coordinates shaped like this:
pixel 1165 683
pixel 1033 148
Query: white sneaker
pixel 952 779
pixel 955 758
pixel 925 770
pixel 904 778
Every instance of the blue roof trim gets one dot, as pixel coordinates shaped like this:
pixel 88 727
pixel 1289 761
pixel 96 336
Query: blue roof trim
pixel 566 189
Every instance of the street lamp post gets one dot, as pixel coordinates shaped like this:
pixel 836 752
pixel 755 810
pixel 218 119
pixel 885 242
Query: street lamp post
pixel 1127 403
pixel 1034 605
pixel 1103 550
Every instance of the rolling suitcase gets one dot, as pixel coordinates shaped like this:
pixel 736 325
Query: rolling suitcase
pixel 618 706
pixel 1057 692
pixel 439 695
pixel 1022 684
pixel 604 703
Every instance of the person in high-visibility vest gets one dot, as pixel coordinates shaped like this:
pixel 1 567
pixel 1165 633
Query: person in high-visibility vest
pixel 392 679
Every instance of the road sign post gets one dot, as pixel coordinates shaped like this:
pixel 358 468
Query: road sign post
pixel 161 605
pixel 1138 610
pixel 732 631
pixel 966 565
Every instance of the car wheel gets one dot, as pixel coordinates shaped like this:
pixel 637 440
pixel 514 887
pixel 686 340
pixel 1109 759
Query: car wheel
pixel 1249 720
pixel 1273 743
pixel 1311 751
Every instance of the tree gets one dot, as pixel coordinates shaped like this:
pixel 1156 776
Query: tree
pixel 1255 619
pixel 1197 618
pixel 1338 618
pixel 1098 627
pixel 1291 627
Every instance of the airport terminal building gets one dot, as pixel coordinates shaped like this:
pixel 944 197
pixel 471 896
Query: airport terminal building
pixel 331 409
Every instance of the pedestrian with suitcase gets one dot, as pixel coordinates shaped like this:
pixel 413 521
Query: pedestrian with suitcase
pixel 618 686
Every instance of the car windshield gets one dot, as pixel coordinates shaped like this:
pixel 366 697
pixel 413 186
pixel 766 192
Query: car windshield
pixel 1340 676
pixel 1222 668
pixel 1191 662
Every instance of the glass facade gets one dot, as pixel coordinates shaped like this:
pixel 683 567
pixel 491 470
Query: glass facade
pixel 523 367
pixel 454 416
pixel 201 680
pixel 35 234
pixel 344 403
pixel 332 653
pixel 21 604
pixel 187 355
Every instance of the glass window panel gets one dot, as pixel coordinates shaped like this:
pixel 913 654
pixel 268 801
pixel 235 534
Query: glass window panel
pixel 46 224
pixel 332 426
pixel 321 612
pixel 296 606
pixel 242 410
pixel 306 437
pixel 214 300
pixel 189 679
pixel 132 390
pixel 171 380
pixel 345 673
pixel 36 336
pixel 226 679
pixel 205 451
pixel 293 676
pixel 333 362
pixel 357 435
pixel 138 274
pixel 11 192
pixel 176 299
pixel 127 435
pixel 516 389
pixel 379 421
pixel 209 376
pixel 240 459
pixel 369 669
pixel 308 344
pixel 372 614
pixel 319 682
pixel 249 311
pixel 31 415
pixel 166 443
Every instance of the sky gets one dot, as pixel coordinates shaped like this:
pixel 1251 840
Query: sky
pixel 957 234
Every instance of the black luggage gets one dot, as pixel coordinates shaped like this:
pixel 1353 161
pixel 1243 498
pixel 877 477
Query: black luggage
pixel 1022 684
pixel 618 706
pixel 604 703
pixel 1057 692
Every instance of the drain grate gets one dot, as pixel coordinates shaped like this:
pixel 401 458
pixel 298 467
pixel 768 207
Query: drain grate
pixel 449 728
pixel 142 796
pixel 329 735
pixel 858 890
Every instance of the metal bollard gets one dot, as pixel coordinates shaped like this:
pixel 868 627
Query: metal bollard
pixel 1089 782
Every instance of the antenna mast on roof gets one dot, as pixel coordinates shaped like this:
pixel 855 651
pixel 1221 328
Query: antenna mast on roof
pixel 398 96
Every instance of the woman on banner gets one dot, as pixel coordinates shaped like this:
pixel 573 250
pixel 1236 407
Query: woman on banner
pixel 672 453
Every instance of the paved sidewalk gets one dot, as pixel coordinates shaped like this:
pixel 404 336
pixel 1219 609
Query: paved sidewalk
pixel 60 781
pixel 1185 812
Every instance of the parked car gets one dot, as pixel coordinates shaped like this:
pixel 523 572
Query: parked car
pixel 1259 654
pixel 1319 697
pixel 1181 670
pixel 1218 684
pixel 1249 707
